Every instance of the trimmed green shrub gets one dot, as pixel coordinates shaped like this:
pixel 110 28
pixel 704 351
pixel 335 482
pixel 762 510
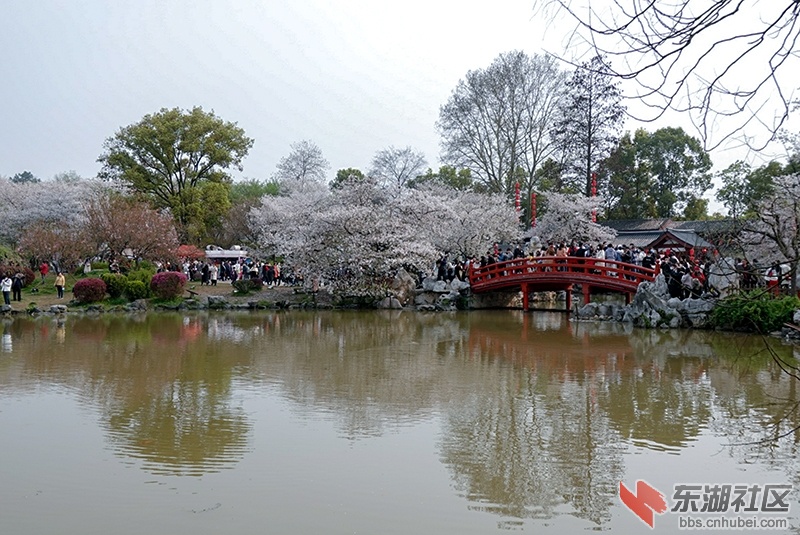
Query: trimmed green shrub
pixel 168 284
pixel 755 311
pixel 145 276
pixel 146 265
pixel 245 286
pixel 99 266
pixel 89 290
pixel 115 283
pixel 136 290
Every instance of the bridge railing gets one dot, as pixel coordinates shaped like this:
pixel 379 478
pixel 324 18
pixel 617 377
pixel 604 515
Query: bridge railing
pixel 564 268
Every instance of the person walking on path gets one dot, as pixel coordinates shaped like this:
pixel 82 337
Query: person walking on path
pixel 61 281
pixel 5 286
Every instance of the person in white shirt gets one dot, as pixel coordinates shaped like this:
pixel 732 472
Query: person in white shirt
pixel 5 286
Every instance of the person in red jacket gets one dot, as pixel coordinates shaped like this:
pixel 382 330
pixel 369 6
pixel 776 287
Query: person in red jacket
pixel 43 269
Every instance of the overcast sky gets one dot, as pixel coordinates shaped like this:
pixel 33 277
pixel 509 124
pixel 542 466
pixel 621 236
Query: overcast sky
pixel 353 76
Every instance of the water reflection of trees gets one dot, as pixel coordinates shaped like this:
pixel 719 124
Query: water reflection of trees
pixel 537 412
pixel 177 413
pixel 165 390
pixel 551 430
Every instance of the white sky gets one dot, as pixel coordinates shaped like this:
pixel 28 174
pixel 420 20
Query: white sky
pixel 353 76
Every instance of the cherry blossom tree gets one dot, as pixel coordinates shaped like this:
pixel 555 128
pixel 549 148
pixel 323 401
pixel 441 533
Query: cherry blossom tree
pixel 358 235
pixel 569 217
pixel 466 223
pixel 45 203
pixel 772 235
pixel 120 226
pixel 63 245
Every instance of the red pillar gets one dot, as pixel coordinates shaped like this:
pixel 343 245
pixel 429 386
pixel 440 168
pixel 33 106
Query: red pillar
pixel 525 306
pixel 587 295
pixel 569 298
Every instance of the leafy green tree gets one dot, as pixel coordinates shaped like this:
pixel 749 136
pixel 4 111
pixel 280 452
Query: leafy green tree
pixel 656 174
pixel 629 183
pixel 458 179
pixel 178 160
pixel 696 209
pixel 25 177
pixel 234 228
pixel 679 164
pixel 549 176
pixel 345 175
pixel 252 189
pixel 743 187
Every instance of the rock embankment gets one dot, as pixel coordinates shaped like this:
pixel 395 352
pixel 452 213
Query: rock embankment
pixel 652 307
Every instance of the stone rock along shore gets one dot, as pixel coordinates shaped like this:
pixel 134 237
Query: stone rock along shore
pixel 652 307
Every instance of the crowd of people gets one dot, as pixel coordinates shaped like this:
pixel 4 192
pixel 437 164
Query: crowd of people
pixel 209 272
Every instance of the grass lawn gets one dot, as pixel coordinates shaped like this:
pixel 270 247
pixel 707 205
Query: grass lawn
pixel 43 293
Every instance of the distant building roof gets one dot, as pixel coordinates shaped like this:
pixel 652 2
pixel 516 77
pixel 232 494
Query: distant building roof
pixel 212 251
pixel 638 238
pixel 711 226
pixel 630 225
pixel 681 238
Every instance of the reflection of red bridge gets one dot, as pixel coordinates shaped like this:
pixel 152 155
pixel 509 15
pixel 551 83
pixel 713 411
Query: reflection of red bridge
pixel 551 273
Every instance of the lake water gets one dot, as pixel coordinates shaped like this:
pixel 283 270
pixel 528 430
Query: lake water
pixel 377 422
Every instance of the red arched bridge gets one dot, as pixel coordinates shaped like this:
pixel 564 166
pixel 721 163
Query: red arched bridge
pixel 553 273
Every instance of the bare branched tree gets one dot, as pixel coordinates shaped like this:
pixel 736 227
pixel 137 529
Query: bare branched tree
pixel 497 121
pixel 396 167
pixel 303 168
pixel 728 63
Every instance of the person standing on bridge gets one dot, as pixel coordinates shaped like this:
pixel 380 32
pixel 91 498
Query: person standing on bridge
pixel 611 254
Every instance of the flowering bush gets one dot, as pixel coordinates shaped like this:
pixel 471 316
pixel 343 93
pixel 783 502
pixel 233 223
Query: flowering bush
pixel 136 290
pixel 14 269
pixel 89 290
pixel 168 284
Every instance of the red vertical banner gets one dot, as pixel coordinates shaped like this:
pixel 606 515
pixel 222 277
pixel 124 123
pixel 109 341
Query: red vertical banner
pixel 533 210
pixel 594 194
